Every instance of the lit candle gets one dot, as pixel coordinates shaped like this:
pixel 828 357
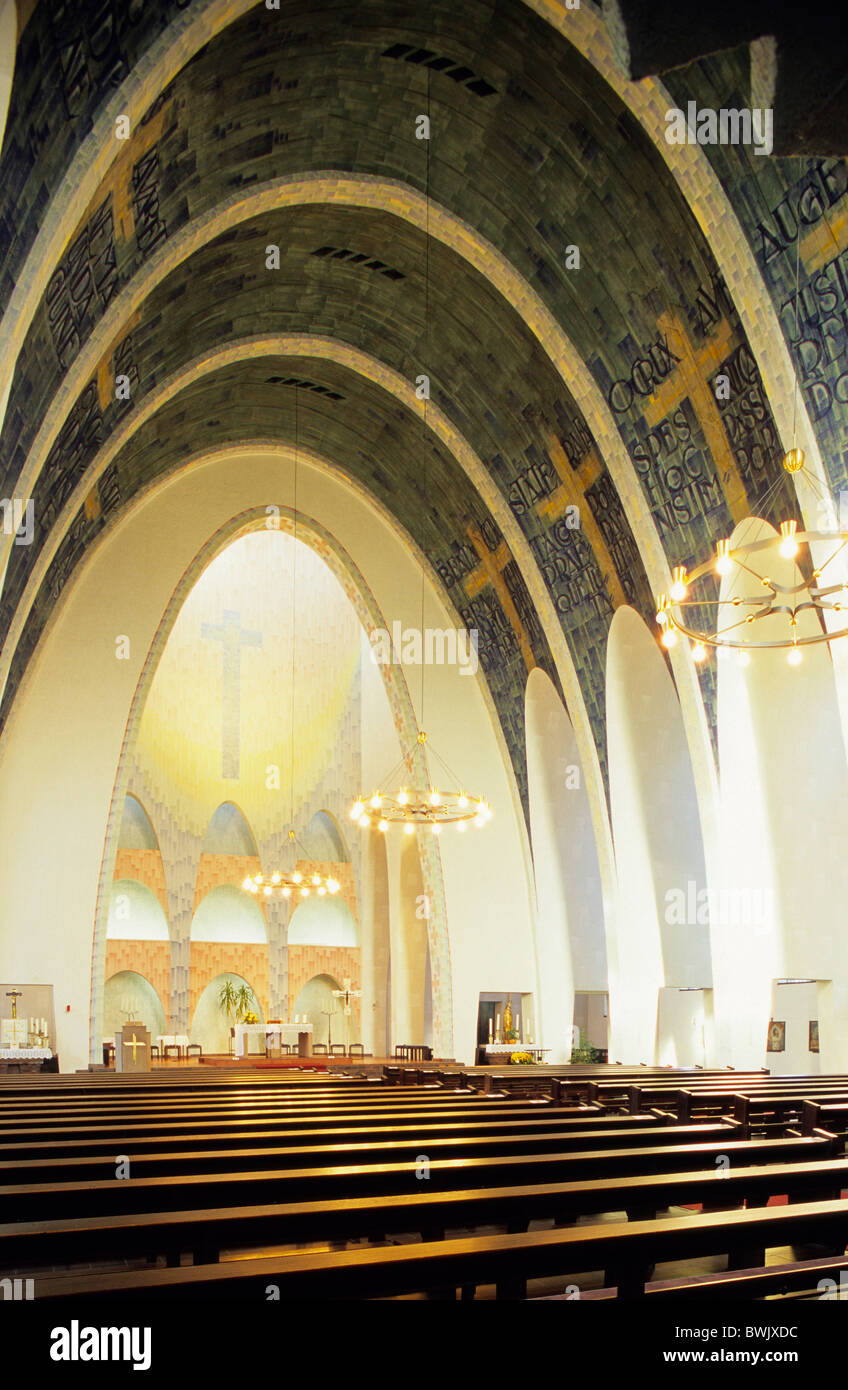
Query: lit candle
pixel 490 1030
pixel 518 1024
pixel 497 1025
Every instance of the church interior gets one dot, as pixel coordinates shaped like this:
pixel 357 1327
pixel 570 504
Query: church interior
pixel 423 701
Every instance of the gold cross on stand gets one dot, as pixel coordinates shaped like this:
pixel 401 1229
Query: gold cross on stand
pixel 14 995
pixel 490 571
pixel 688 378
pixel 574 483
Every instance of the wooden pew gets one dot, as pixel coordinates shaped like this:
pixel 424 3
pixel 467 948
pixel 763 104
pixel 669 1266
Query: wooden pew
pixel 626 1252
pixel 194 1156
pixel 20 1148
pixel 206 1233
pixel 103 1197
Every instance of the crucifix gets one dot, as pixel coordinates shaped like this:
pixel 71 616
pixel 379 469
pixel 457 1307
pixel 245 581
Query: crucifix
pixel 346 994
pixel 14 995
pixel 232 637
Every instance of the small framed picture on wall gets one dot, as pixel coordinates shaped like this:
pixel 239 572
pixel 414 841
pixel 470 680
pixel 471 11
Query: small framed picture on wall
pixel 776 1037
pixel 814 1035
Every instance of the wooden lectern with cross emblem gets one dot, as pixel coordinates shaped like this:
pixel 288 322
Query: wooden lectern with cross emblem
pixel 132 1048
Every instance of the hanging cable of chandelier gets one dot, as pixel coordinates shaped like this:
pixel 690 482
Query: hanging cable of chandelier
pixel 292 883
pixel 428 806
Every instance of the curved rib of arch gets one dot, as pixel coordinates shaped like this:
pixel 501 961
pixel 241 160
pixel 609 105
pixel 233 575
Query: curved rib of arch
pixel 307 345
pixel 648 101
pixel 337 559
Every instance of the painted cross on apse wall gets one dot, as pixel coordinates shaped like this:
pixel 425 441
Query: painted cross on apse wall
pixel 232 637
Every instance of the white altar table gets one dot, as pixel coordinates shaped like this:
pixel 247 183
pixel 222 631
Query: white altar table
pixel 25 1054
pixel 298 1033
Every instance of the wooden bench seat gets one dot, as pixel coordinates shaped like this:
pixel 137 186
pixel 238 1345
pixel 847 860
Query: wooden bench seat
pixel 206 1233
pixel 177 1190
pixel 627 1252
pixel 62 1144
pixel 195 1156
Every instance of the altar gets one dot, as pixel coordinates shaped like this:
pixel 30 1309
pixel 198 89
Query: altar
pixel 505 1050
pixel 298 1035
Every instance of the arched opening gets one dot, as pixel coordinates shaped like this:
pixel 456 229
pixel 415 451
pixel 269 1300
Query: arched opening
pixel 211 1024
pixel 323 923
pixel 228 914
pixel 662 925
pixel 129 993
pixel 135 913
pixel 326 1013
pixel 570 943
pixel 136 830
pixel 323 840
pixel 228 832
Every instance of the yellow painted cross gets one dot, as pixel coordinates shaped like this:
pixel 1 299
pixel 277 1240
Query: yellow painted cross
pixel 490 571
pixel 689 379
pixel 135 1044
pixel 573 485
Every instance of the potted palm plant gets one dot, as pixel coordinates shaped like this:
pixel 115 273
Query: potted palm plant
pixel 235 1002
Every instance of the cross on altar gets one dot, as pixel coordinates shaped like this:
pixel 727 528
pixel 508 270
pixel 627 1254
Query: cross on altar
pixel 14 995
pixel 135 1043
pixel 346 993
pixel 232 637
pixel 490 571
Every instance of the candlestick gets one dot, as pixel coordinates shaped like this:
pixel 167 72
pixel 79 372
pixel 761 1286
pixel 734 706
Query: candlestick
pixel 490 1030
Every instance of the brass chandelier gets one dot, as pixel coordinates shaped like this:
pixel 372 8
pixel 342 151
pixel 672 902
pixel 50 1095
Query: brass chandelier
pixel 429 808
pixel 288 883
pixel 755 594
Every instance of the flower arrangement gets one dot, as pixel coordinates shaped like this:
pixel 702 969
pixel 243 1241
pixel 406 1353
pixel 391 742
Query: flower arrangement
pixel 522 1059
pixel 250 1018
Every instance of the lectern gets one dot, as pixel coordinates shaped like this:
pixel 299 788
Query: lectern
pixel 132 1048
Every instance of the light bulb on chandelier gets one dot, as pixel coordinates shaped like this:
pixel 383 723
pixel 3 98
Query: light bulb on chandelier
pixel 427 805
pixel 773 588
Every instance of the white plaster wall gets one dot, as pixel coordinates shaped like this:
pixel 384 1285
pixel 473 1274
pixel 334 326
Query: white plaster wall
pixel 784 791
pixel 570 946
pixel 657 838
pixel 60 750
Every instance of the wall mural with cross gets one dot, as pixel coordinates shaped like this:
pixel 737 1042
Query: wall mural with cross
pixel 648 312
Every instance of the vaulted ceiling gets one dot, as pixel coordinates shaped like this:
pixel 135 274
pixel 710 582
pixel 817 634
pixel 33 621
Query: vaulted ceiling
pixel 556 381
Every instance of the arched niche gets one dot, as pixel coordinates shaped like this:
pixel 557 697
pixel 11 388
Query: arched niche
pixel 229 914
pixel 661 926
pixel 126 992
pixel 136 830
pixel 329 1024
pixel 570 942
pixel 323 840
pixel 322 922
pixel 228 832
pixel 135 913
pixel 784 790
pixel 210 1025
